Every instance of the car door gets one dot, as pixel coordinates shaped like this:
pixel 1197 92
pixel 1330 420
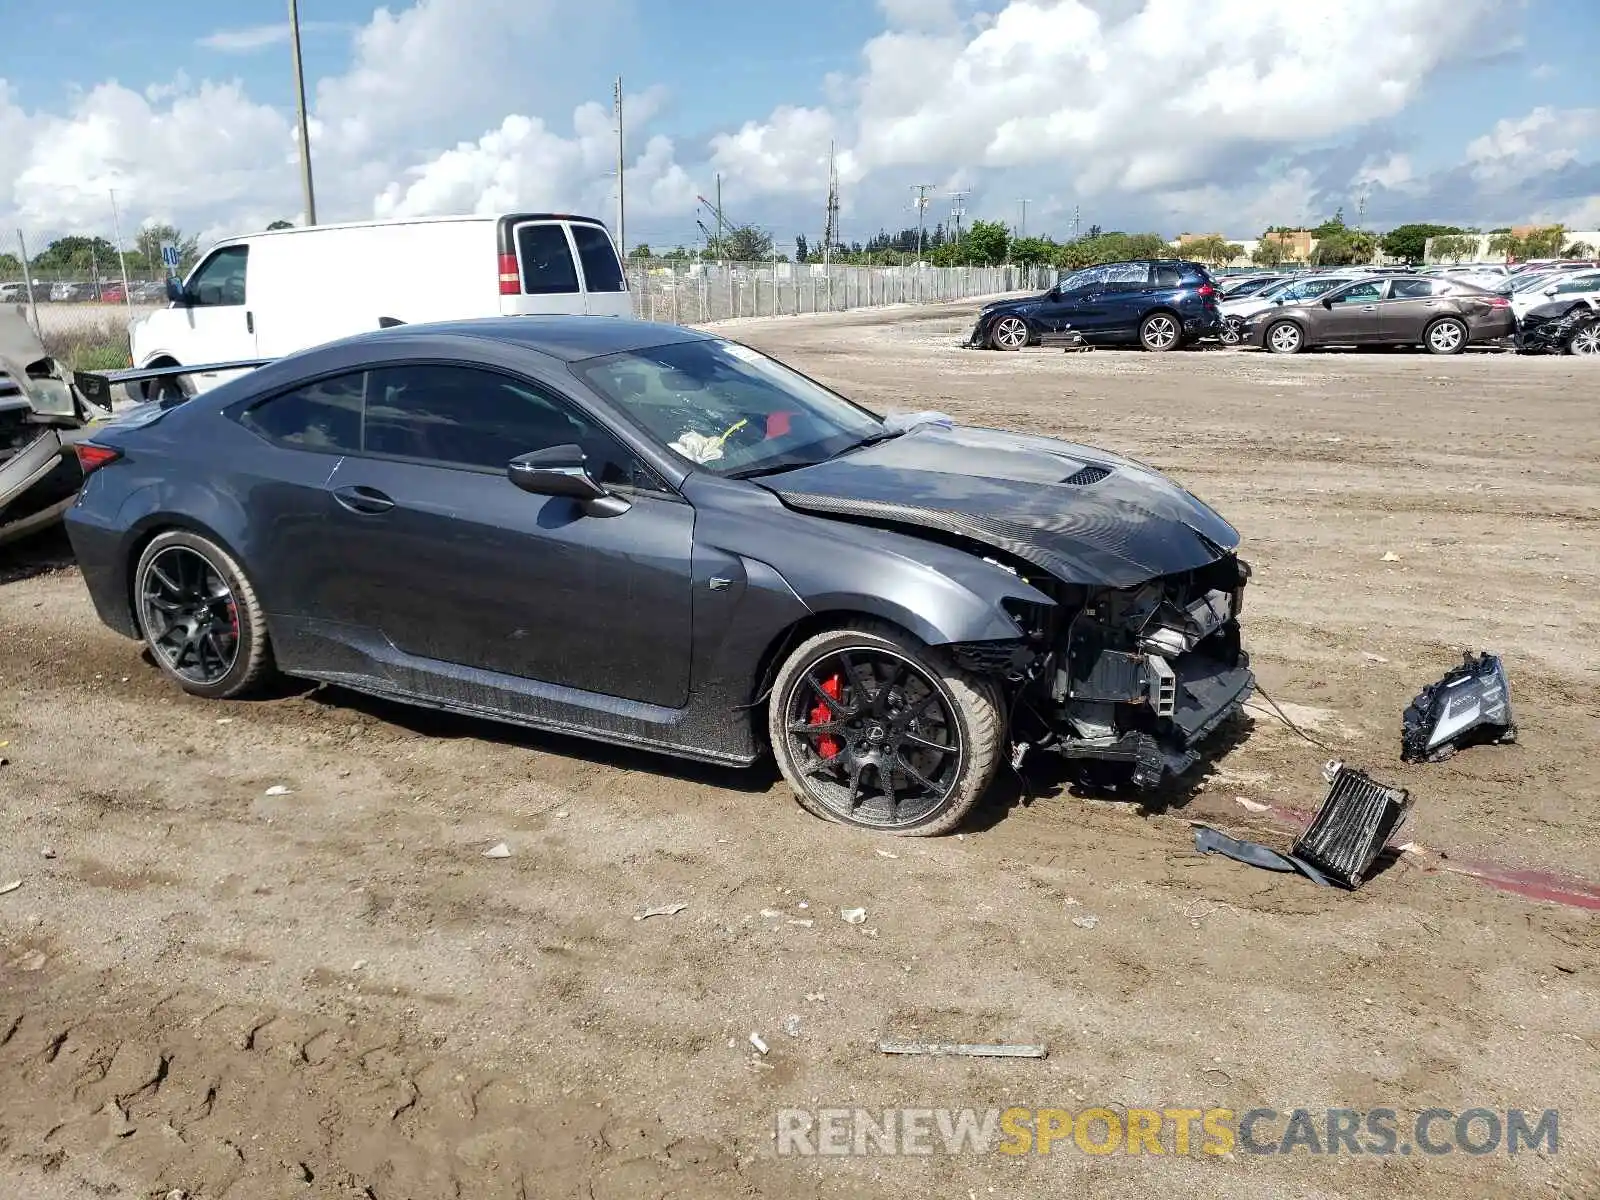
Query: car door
pixel 605 288
pixel 1410 305
pixel 214 317
pixel 453 563
pixel 1081 303
pixel 1349 315
pixel 1127 295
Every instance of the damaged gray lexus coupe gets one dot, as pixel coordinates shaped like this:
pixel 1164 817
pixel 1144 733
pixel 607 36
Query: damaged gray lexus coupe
pixel 656 537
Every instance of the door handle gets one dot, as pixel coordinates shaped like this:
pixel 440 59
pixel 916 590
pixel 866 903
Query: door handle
pixel 1369 308
pixel 365 500
pixel 249 322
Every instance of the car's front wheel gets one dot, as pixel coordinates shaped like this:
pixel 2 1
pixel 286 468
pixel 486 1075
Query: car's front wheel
pixel 1160 332
pixel 1445 336
pixel 200 617
pixel 873 729
pixel 1585 339
pixel 1285 338
pixel 1009 333
pixel 1232 331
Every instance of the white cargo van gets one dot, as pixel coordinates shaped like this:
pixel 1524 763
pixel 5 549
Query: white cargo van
pixel 265 295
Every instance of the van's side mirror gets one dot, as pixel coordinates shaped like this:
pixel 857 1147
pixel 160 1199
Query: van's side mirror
pixel 175 291
pixel 564 471
pixel 1551 290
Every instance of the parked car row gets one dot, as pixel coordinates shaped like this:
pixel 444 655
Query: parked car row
pixel 1166 304
pixel 143 292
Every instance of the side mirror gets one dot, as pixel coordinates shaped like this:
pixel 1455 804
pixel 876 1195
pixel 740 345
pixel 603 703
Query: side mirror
pixel 564 471
pixel 175 291
pixel 1551 290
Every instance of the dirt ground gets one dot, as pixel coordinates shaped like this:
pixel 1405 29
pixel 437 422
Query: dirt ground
pixel 332 992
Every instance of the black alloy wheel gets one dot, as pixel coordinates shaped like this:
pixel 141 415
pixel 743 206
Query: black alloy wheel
pixel 190 615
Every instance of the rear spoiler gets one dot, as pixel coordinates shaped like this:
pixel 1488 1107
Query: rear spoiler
pixel 95 386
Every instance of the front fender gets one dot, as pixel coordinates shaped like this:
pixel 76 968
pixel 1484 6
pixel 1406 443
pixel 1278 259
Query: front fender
pixel 937 592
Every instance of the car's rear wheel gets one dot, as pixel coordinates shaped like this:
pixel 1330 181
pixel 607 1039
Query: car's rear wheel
pixel 1585 339
pixel 1447 335
pixel 1160 332
pixel 1285 338
pixel 200 617
pixel 1009 333
pixel 873 729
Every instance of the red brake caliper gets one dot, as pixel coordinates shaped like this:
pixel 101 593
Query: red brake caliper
pixel 827 744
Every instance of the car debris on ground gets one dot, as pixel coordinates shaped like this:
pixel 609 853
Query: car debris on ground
pixel 1470 705
pixel 7 888
pixel 853 916
pixel 966 1049
pixel 1342 842
pixel 498 850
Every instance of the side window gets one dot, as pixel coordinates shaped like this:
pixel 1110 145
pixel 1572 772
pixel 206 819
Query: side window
pixel 468 417
pixel 547 266
pixel 1125 277
pixel 1413 289
pixel 1584 283
pixel 324 416
pixel 601 270
pixel 1361 293
pixel 1084 281
pixel 1169 276
pixel 220 279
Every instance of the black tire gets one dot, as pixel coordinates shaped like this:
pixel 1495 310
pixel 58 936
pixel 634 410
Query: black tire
pixel 1009 333
pixel 1447 335
pixel 247 656
pixel 1231 332
pixel 970 725
pixel 1160 332
pixel 1278 338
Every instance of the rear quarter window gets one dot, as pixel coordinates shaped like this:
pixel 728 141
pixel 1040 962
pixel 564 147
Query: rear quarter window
pixel 324 416
pixel 601 270
pixel 1168 276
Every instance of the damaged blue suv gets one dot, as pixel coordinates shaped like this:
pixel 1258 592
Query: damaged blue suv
pixel 1160 304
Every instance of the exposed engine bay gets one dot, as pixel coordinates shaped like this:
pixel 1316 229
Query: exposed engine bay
pixel 1128 682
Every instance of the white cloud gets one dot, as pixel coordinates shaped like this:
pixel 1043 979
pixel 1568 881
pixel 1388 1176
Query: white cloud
pixel 919 14
pixel 250 38
pixel 1546 139
pixel 1392 171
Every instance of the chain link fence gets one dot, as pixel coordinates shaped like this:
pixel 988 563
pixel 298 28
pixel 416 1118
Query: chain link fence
pixel 83 313
pixel 693 293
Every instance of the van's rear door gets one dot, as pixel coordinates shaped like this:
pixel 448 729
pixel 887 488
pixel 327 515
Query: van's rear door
pixel 556 263
pixel 605 285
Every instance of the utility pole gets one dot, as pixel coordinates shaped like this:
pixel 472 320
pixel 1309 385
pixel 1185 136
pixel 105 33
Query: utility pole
pixel 957 209
pixel 1075 215
pixel 622 206
pixel 830 228
pixel 922 190
pixel 722 243
pixel 300 106
pixel 122 258
pixel 1022 230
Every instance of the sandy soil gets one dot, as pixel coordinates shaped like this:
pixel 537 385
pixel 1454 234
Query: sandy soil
pixel 333 993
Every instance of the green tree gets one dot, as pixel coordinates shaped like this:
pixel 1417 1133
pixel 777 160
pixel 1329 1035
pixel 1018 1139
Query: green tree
pixel 1576 250
pixel 748 244
pixel 280 223
pixel 1269 252
pixel 1332 227
pixel 1213 249
pixel 1544 242
pixel 76 253
pixel 152 237
pixel 1507 244
pixel 642 250
pixel 1410 242
pixel 801 249
pixel 11 267
pixel 1031 251
pixel 1454 247
pixel 676 254
pixel 986 243
pixel 1344 247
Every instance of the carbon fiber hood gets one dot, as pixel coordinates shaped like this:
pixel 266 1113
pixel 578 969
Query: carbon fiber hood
pixel 1086 516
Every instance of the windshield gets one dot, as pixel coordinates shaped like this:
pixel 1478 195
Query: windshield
pixel 729 408
pixel 1528 282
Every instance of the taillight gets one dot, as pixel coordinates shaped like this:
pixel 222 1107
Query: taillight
pixel 92 457
pixel 1207 291
pixel 1499 302
pixel 510 281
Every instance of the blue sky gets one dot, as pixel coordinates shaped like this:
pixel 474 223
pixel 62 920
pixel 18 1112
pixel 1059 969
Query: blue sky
pixel 1470 110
